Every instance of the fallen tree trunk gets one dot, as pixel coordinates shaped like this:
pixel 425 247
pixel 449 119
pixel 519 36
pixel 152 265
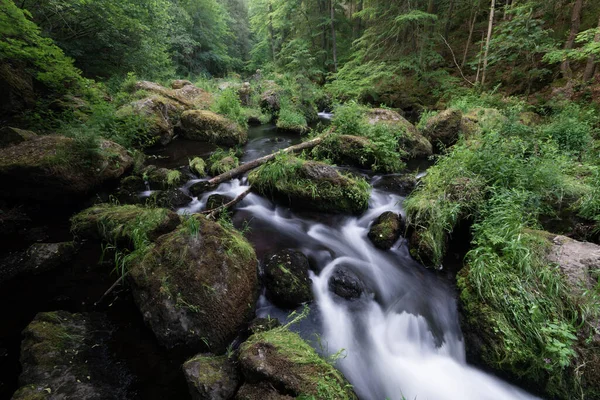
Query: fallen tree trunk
pixel 201 187
pixel 212 214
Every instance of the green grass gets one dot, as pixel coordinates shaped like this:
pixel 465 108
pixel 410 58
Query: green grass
pixel 228 103
pixel 291 118
pixel 221 161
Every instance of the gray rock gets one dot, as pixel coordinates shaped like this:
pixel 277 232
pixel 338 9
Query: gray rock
pixel 286 278
pixel 211 377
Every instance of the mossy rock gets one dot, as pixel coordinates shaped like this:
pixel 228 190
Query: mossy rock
pixel 187 96
pixel 270 100
pixel 224 164
pixel 171 199
pixel 179 83
pixel 217 200
pixel 198 286
pixel 529 118
pixel 444 128
pixel 386 230
pixel 286 278
pixel 207 126
pixel 211 377
pixel 402 185
pixel 56 169
pixel 10 136
pixel 115 224
pixel 411 140
pixel 17 88
pixel 281 359
pixel 356 151
pixel 198 167
pixel 311 185
pixel 481 118
pixel 161 178
pixel 66 355
pixel 260 391
pixel 38 258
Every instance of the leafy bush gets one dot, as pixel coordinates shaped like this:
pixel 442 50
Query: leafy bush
pixel 228 103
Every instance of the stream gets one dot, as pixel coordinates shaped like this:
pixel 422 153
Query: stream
pixel 400 340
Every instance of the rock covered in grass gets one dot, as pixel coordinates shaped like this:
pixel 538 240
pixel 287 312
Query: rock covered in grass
pixel 161 178
pixel 410 139
pixel 481 117
pixel 198 286
pixel 114 224
pixel 160 115
pixel 386 230
pixel 210 127
pixel 444 128
pixel 198 167
pixel 211 377
pixel 286 278
pixel 356 151
pixel 38 258
pixel 311 185
pixel 10 136
pixel 57 169
pixel 222 161
pixel 66 356
pixel 278 363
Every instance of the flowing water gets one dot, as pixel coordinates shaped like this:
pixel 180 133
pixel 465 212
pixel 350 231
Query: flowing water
pixel 401 338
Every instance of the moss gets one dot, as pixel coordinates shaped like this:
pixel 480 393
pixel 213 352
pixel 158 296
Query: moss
pixel 222 161
pixel 31 392
pixel 386 229
pixel 198 167
pixel 208 126
pixel 282 358
pixel 311 185
pixel 161 178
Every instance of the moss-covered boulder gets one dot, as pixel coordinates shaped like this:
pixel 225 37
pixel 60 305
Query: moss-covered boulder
pixel 286 278
pixel 245 94
pixel 115 224
pixel 170 198
pixel 188 95
pixel 211 377
pixel 311 185
pixel 38 258
pixel 217 200
pixel 270 100
pixel 198 167
pixel 386 230
pixel 444 128
pixel 57 169
pixel 410 139
pixel 280 361
pixel 222 162
pixel 16 86
pixel 198 286
pixel 66 356
pixel 161 178
pixel 179 83
pixel 159 115
pixel 481 118
pixel 210 127
pixel 10 136
pixel 357 151
pixel 402 185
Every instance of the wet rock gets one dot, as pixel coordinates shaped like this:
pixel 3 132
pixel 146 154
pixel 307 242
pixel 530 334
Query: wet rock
pixel 179 83
pixel 160 114
pixel 263 324
pixel 270 101
pixel 211 377
pixel 198 167
pixel 129 190
pixel 10 136
pixel 443 129
pixel 286 278
pixel 115 224
pixel 53 169
pixel 346 284
pixel 217 200
pixel 210 127
pixel 386 230
pixel 66 356
pixel 402 185
pixel 411 140
pixel 260 391
pixel 312 185
pixel 199 188
pixel 286 363
pixel 38 258
pixel 171 199
pixel 161 178
pixel 197 288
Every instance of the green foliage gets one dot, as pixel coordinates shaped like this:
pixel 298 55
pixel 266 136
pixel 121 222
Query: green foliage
pixel 228 103
pixel 221 161
pixel 572 128
pixel 290 118
pixel 348 119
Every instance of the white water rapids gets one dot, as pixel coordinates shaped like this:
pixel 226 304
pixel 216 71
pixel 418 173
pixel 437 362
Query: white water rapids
pixel 402 340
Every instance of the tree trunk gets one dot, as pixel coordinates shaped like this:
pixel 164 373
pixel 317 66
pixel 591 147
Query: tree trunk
pixel 506 8
pixel 271 34
pixel 449 19
pixel 480 58
pixel 357 26
pixel 565 67
pixel 471 29
pixel 242 169
pixel 333 40
pixel 590 67
pixel 487 42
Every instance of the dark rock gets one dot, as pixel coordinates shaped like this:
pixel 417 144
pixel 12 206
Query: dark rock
pixel 66 356
pixel 263 324
pixel 286 278
pixel 217 200
pixel 199 188
pixel 38 258
pixel 211 377
pixel 270 101
pixel 402 185
pixel 443 129
pixel 346 284
pixel 386 230
pixel 196 289
pixel 10 136
pixel 16 86
pixel 171 199
pixel 161 178
pixel 260 391
pixel 51 169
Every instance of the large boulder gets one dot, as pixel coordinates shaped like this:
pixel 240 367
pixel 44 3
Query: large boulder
pixel 10 136
pixel 311 185
pixel 351 150
pixel 286 278
pixel 444 128
pixel 386 230
pixel 171 198
pixel 270 101
pixel 410 140
pixel 188 95
pixel 66 356
pixel 282 364
pixel 211 377
pixel 38 258
pixel 159 113
pixel 179 83
pixel 56 169
pixel 210 127
pixel 198 286
pixel 122 224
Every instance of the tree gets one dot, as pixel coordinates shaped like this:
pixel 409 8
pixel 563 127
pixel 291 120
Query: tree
pixel 590 66
pixel 575 23
pixel 487 42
